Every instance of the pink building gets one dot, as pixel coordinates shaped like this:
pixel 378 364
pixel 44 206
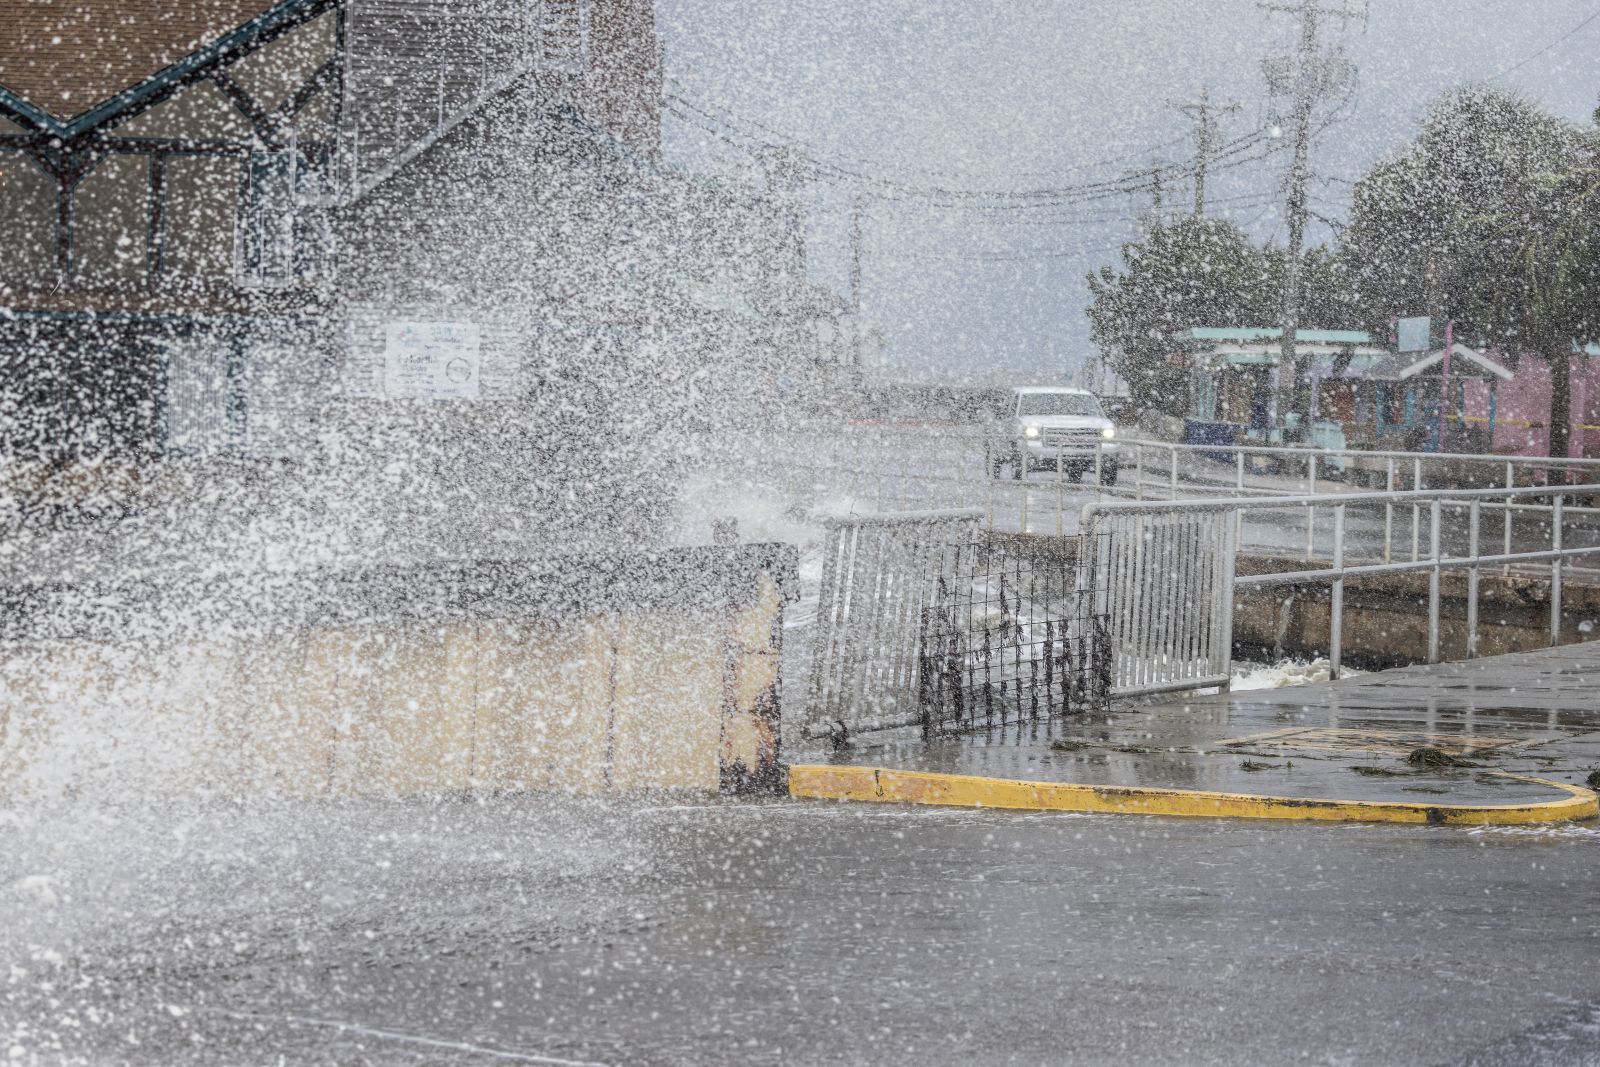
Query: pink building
pixel 1520 408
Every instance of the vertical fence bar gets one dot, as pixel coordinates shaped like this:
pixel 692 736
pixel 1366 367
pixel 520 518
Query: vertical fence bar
pixel 1473 515
pixel 1336 605
pixel 1172 479
pixel 991 474
pixel 1229 562
pixel 1138 472
pixel 1388 510
pixel 1099 469
pixel 1555 571
pixel 1238 513
pixel 1433 586
pixel 1059 503
pixel 1416 511
pixel 1311 513
pixel 1510 484
pixel 1022 484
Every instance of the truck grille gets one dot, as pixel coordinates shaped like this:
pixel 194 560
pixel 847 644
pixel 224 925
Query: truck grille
pixel 1071 438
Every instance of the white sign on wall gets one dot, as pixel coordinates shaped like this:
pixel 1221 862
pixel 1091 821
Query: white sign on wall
pixel 432 360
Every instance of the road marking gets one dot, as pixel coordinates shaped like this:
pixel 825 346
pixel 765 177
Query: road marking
pixel 884 784
pixel 411 1039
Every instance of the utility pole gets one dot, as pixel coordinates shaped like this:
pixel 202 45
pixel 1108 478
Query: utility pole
pixel 1306 73
pixel 1200 111
pixel 855 280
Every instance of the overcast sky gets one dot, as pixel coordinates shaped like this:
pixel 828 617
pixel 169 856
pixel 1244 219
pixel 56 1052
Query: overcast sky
pixel 974 95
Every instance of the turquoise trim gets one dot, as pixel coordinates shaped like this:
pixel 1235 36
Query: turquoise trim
pixel 1259 333
pixel 279 16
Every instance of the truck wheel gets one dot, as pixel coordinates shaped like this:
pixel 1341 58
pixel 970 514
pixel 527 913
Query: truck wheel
pixel 1019 466
pixel 1108 473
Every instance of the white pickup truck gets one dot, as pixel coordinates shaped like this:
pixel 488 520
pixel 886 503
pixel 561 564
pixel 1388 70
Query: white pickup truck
pixel 1043 426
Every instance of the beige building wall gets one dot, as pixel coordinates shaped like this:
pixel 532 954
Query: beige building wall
pixel 634 700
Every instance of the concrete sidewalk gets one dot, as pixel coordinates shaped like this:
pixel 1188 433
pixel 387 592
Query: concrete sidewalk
pixel 1510 739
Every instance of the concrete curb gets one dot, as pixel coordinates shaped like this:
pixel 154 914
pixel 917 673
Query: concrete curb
pixel 836 782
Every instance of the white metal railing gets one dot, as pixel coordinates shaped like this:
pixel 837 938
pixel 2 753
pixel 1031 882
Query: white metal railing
pixel 892 469
pixel 864 659
pixel 1164 581
pixel 1142 621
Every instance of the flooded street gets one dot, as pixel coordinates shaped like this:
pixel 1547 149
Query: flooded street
pixel 465 933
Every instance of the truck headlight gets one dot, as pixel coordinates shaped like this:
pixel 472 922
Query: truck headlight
pixel 1108 432
pixel 1030 431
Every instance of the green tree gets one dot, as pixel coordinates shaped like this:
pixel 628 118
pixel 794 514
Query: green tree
pixel 1199 272
pixel 1488 218
pixel 1191 272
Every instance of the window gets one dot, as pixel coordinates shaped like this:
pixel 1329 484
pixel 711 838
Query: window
pixel 1057 404
pixel 561 35
pixel 266 234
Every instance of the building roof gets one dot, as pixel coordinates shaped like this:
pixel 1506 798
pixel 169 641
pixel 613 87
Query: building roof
pixel 1401 366
pixel 67 64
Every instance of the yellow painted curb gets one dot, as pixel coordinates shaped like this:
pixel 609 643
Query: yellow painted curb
pixel 835 782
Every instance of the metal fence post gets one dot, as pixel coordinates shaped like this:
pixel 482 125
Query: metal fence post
pixel 1472 580
pixel 1433 586
pixel 1510 484
pixel 1416 510
pixel 1555 571
pixel 1230 560
pixel 1388 511
pixel 1311 514
pixel 990 476
pixel 1239 512
pixel 1059 520
pixel 1172 474
pixel 1336 608
pixel 1022 479
pixel 1138 472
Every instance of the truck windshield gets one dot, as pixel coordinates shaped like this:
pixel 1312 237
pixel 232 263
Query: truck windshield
pixel 1057 404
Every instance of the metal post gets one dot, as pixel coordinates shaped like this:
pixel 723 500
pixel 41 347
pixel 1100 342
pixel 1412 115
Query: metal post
pixel 1510 484
pixel 1173 474
pixel 990 476
pixel 1058 488
pixel 1336 615
pixel 1311 513
pixel 1388 511
pixel 1138 472
pixel 1433 587
pixel 1099 469
pixel 1555 572
pixel 1238 513
pixel 1022 481
pixel 1230 564
pixel 1472 580
pixel 1416 510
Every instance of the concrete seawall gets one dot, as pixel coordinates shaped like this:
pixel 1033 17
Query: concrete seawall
pixel 662 675
pixel 1385 616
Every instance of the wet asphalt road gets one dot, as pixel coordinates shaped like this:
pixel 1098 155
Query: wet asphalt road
pixel 525 930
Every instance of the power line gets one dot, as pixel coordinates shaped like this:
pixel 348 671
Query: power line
pixel 694 114
pixel 1529 59
pixel 728 114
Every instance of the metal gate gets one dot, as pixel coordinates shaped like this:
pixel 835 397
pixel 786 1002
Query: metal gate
pixel 1012 635
pixel 1167 582
pixel 923 619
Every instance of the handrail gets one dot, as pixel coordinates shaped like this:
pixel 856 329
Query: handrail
pixel 1253 503
pixel 1434 562
pixel 1315 451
